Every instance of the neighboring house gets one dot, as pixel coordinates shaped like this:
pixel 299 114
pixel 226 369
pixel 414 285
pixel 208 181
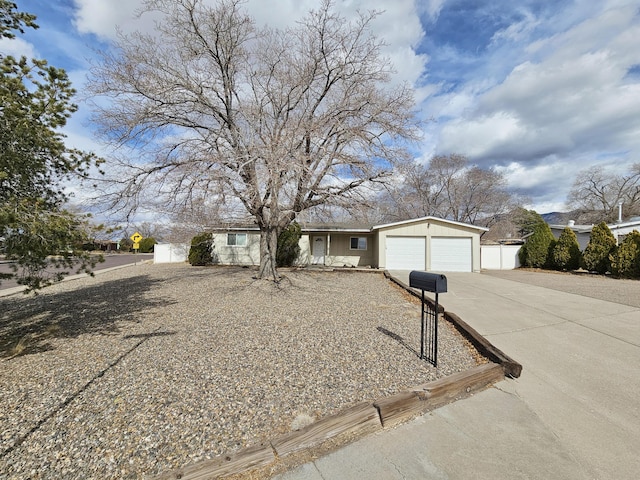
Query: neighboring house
pixel 427 243
pixel 583 232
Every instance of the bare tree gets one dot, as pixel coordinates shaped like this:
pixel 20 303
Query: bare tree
pixel 449 187
pixel 596 194
pixel 283 120
pixel 200 215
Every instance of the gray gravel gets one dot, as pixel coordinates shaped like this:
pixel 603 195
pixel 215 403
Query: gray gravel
pixel 616 290
pixel 149 368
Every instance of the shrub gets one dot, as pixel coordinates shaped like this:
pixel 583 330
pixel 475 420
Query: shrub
pixel 625 260
pixel 536 252
pixel 566 252
pixel 288 245
pixel 126 245
pixel 200 251
pixel 146 245
pixel 601 244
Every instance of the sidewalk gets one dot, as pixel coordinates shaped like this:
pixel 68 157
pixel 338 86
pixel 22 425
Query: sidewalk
pixel 573 414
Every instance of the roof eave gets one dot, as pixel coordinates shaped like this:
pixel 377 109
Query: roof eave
pixel 430 218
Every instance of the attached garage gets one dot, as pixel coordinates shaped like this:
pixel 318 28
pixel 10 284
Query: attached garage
pixel 406 253
pixel 428 243
pixel 451 254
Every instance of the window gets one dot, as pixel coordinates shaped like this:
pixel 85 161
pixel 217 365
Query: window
pixel 236 239
pixel 358 243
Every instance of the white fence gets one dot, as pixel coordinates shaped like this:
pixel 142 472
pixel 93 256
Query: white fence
pixel 170 252
pixel 499 257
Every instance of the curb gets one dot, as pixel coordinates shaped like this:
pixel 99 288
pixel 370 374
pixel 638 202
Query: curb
pixel 13 290
pixel 364 418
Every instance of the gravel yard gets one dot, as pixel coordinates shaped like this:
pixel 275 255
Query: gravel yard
pixel 153 367
pixel 602 287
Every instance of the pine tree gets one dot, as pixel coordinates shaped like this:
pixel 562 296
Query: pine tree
pixel 35 103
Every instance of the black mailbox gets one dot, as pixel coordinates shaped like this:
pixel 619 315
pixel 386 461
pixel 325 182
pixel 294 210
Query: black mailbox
pixel 431 282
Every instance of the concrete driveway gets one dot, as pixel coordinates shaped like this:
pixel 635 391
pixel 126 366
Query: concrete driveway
pixel 573 413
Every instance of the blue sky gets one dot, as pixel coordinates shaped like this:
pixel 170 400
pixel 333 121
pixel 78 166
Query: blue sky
pixel 536 89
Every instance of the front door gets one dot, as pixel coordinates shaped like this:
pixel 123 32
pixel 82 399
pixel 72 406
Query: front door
pixel 318 251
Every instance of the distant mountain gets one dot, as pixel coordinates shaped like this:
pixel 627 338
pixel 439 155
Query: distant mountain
pixel 559 218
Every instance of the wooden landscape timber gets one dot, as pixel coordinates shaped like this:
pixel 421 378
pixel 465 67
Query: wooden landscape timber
pixel 224 465
pixel 405 405
pixel 358 420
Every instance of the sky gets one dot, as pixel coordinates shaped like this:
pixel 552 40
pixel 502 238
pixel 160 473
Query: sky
pixel 539 90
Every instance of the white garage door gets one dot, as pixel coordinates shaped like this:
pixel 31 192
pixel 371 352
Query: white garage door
pixel 405 253
pixel 450 254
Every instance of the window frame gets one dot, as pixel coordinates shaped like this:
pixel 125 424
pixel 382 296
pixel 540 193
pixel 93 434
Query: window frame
pixel 235 237
pixel 358 239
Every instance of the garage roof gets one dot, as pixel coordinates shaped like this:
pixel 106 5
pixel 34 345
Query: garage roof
pixel 430 219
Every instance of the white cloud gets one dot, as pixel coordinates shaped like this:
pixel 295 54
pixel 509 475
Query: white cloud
pixel 398 24
pixel 517 31
pixel 574 99
pixel 431 8
pixel 100 17
pixel 284 14
pixel 17 47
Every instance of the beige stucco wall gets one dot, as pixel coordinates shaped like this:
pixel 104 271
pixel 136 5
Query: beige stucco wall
pixel 428 229
pixel 224 254
pixel 304 258
pixel 340 253
pixel 337 245
pixel 337 250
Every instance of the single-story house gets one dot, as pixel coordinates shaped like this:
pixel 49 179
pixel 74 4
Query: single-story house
pixel 583 232
pixel 427 243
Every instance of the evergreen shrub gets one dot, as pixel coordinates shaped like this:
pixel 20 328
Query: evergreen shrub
pixel 625 260
pixel 601 244
pixel 146 245
pixel 536 252
pixel 566 253
pixel 288 245
pixel 200 251
pixel 126 244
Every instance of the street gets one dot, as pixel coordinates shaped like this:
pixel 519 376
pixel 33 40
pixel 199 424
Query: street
pixel 110 260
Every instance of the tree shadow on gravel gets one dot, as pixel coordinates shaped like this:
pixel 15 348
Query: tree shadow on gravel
pixel 27 324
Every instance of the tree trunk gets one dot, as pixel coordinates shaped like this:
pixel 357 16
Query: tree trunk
pixel 268 249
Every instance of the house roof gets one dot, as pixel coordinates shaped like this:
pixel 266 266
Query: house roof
pixel 631 223
pixel 430 219
pixel 337 227
pixel 348 227
pixel 575 228
pixel 588 228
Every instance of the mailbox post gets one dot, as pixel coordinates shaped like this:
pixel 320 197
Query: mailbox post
pixel 434 283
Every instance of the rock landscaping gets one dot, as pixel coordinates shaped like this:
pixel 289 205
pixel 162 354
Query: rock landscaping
pixel 150 368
